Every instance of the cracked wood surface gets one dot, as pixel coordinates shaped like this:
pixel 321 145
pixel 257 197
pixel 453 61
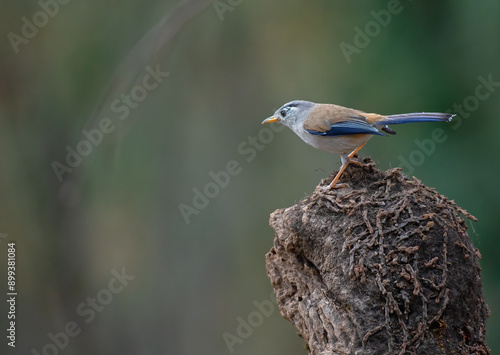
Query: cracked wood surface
pixel 382 266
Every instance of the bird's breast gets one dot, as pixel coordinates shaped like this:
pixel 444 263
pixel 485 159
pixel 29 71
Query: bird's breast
pixel 341 145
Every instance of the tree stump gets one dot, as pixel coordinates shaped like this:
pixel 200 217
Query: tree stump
pixel 381 266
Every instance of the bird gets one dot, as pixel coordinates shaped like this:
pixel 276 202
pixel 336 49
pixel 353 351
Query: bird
pixel 342 130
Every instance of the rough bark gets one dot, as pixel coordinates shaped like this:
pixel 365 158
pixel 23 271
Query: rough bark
pixel 381 266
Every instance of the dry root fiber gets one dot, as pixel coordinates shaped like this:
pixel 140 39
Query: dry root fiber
pixel 382 266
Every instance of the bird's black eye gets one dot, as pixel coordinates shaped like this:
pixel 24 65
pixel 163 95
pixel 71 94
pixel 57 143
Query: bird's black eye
pixel 283 113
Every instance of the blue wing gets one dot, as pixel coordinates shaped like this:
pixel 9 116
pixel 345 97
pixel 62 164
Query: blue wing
pixel 348 127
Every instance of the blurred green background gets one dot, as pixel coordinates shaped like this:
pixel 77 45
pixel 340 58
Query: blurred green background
pixel 196 279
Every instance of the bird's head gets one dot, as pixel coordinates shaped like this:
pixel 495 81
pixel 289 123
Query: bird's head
pixel 292 113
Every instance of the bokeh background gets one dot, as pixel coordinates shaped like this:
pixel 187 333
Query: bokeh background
pixel 195 279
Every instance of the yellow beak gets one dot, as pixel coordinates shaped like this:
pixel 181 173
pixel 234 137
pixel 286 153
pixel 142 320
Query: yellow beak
pixel 270 120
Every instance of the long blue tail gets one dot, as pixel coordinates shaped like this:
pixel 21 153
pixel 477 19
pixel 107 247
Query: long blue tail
pixel 415 117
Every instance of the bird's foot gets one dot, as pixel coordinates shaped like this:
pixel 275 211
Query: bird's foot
pixel 335 186
pixel 338 186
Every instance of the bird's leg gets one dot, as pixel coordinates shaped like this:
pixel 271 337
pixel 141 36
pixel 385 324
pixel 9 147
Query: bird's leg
pixel 345 162
pixel 353 153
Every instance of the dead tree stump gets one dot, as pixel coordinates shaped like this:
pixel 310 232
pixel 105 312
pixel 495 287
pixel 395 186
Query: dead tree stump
pixel 382 266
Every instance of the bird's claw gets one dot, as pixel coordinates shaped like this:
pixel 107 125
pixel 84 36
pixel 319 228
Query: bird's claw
pixel 334 187
pixel 337 186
